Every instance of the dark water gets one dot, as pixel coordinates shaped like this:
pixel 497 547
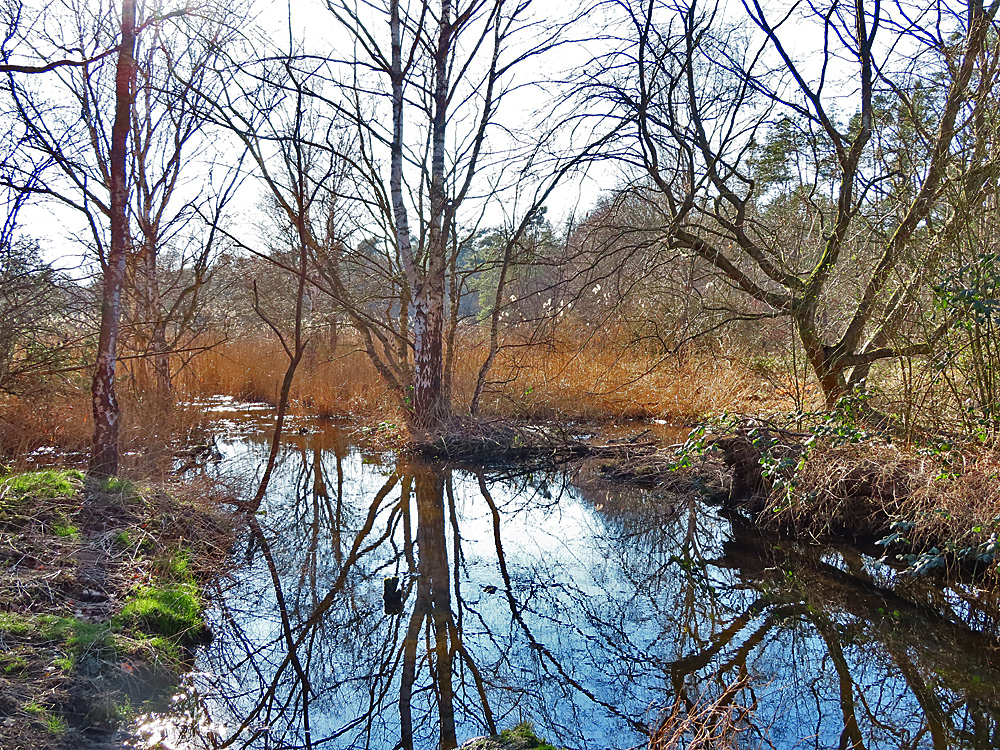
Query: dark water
pixel 583 608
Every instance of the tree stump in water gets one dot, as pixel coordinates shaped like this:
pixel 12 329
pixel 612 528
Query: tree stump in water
pixel 743 457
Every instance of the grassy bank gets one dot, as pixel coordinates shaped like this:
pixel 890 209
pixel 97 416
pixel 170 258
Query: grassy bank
pixel 101 596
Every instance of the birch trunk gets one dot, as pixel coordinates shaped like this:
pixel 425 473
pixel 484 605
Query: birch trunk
pixel 107 414
pixel 429 405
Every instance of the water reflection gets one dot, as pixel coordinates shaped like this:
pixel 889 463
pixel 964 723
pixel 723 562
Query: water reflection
pixel 592 612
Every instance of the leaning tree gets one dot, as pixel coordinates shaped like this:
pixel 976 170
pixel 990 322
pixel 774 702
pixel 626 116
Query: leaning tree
pixel 737 131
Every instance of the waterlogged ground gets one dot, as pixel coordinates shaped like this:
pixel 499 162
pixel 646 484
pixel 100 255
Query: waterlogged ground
pixel 551 597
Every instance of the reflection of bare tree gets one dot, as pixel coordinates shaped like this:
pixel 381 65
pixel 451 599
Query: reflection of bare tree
pixel 433 606
pixel 516 610
pixel 522 600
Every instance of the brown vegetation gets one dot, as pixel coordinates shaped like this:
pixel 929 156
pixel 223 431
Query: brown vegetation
pixel 706 723
pixel 597 380
pixel 929 505
pixel 58 426
pixel 944 499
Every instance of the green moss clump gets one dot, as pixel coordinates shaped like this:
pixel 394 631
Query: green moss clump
pixel 170 610
pixel 41 494
pixel 13 663
pixel 14 624
pixel 49 484
pixel 523 737
pixel 178 567
pixel 78 635
pixel 116 486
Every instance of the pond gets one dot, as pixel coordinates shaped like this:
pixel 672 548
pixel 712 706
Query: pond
pixel 375 604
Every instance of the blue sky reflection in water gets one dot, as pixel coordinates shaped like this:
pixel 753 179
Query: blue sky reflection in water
pixel 586 610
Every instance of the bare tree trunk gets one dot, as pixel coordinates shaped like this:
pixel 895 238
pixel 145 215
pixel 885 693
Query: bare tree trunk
pixel 427 284
pixel 495 313
pixel 107 414
pixel 152 321
pixel 428 328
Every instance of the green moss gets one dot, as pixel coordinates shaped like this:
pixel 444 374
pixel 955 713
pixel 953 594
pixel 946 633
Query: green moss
pixel 172 610
pixel 14 625
pixel 77 635
pixel 12 663
pixel 66 531
pixel 45 484
pixel 154 648
pixel 523 737
pixel 118 486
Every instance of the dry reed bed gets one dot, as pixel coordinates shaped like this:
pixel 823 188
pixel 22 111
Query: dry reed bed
pixel 577 379
pixel 60 426
pixel 596 380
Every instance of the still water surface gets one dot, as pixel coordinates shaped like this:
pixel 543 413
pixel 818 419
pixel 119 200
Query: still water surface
pixel 585 608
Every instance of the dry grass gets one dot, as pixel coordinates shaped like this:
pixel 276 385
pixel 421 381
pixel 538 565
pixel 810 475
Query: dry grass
pixel 948 500
pixel 597 380
pixel 62 420
pixel 579 378
pixel 326 383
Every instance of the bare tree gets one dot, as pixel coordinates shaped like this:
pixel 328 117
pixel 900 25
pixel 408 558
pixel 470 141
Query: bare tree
pixel 441 76
pixel 107 415
pixel 693 99
pixel 177 210
pixel 63 127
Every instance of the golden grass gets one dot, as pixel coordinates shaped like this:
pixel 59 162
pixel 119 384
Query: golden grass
pixel 62 420
pixel 341 383
pixel 597 380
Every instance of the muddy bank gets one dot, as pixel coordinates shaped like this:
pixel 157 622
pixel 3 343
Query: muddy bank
pixel 100 585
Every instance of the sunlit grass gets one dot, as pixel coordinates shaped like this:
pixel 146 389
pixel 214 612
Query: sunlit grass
pixel 575 378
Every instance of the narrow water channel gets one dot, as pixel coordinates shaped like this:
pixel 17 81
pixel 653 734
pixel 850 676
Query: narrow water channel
pixel 587 609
